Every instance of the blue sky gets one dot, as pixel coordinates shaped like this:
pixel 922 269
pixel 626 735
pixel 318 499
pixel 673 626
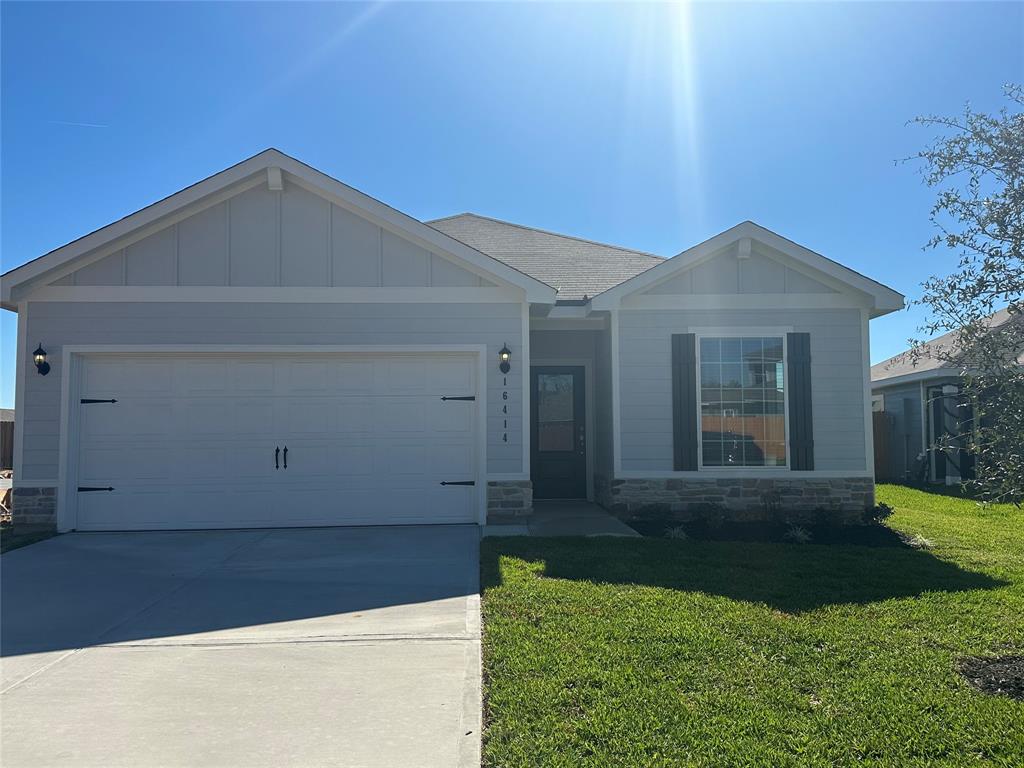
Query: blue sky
pixel 653 127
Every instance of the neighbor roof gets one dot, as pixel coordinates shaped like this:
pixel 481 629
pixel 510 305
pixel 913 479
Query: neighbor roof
pixel 578 268
pixel 940 356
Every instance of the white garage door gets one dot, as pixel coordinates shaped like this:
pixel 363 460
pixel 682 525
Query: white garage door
pixel 233 441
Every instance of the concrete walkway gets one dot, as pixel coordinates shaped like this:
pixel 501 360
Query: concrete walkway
pixel 315 647
pixel 565 518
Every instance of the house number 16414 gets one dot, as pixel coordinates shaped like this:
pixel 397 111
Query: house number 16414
pixel 504 409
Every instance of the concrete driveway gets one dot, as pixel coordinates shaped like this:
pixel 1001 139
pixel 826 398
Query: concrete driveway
pixel 313 647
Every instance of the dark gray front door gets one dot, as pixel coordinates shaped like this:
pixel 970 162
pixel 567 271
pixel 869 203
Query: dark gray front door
pixel 558 458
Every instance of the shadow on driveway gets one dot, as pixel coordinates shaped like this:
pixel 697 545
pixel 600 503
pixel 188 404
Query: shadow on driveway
pixel 85 589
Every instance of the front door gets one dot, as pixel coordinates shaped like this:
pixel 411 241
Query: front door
pixel 559 449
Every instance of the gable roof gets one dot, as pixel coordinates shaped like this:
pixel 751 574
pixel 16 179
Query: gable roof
pixel 253 171
pixel 547 265
pixel 940 357
pixel 578 268
pixel 882 298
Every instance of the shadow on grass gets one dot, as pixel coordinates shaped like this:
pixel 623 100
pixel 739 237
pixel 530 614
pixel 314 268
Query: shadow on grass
pixel 789 578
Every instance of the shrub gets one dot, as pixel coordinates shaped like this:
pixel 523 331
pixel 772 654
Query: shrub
pixel 877 513
pixel 796 534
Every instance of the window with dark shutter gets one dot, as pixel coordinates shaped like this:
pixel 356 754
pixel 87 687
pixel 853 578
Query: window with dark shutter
pixel 742 401
pixel 684 402
pixel 801 423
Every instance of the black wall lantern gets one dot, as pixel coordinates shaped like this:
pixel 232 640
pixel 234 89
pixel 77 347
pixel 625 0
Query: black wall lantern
pixel 504 355
pixel 39 358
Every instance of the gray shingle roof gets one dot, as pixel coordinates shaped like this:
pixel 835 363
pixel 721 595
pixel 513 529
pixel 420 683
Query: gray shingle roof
pixel 574 266
pixel 939 354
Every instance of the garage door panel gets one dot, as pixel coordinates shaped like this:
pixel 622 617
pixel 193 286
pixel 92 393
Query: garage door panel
pixel 451 380
pixel 352 414
pixel 454 416
pixel 312 416
pixel 253 377
pixel 369 441
pixel 127 377
pixel 452 462
pixel 101 466
pixel 201 377
pixel 352 376
pixel 127 417
pixel 398 415
pixel 396 376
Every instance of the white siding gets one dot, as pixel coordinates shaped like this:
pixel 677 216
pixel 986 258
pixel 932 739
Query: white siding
pixel 645 379
pixel 261 237
pixel 724 273
pixel 203 247
pixel 305 238
pixel 61 323
pixel 253 238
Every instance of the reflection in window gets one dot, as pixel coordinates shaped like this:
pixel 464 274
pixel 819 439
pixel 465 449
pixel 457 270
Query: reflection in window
pixel 742 402
pixel 555 421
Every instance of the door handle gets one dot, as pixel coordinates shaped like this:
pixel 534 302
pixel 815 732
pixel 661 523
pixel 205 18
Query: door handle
pixel 277 453
pixel 286 457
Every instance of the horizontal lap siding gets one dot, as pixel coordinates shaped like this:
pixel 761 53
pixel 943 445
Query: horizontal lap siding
pixel 56 324
pixel 645 379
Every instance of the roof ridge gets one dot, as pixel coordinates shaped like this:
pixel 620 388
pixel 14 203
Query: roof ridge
pixel 949 337
pixel 549 232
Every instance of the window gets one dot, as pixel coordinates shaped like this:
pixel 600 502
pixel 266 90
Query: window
pixel 742 402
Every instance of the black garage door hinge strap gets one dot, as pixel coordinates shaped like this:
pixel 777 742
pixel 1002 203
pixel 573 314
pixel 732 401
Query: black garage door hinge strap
pixel 88 488
pixel 90 400
pixel 458 482
pixel 464 397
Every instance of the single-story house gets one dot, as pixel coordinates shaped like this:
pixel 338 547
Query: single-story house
pixel 271 347
pixel 921 402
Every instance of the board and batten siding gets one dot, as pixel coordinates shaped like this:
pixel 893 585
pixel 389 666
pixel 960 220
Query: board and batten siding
pixel 56 324
pixel 645 380
pixel 261 238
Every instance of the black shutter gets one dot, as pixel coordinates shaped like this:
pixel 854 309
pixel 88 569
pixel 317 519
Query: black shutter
pixel 684 401
pixel 801 423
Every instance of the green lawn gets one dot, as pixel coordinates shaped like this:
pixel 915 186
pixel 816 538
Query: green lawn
pixel 656 652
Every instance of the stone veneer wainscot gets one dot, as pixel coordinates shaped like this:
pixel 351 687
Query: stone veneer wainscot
pixel 508 501
pixel 839 500
pixel 34 506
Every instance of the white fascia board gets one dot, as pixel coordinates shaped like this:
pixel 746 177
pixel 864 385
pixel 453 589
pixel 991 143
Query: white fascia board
pixel 129 224
pixel 275 294
pixel 258 166
pixel 423 234
pixel 883 299
pixel 909 378
pixel 744 301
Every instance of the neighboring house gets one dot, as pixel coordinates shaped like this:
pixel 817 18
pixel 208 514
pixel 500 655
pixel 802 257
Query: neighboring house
pixel 920 398
pixel 270 347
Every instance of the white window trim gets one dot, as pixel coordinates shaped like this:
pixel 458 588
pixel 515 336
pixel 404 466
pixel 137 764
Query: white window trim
pixel 731 333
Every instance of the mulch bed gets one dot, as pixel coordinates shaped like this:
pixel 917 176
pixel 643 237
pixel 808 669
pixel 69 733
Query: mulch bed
pixel 1002 676
pixel 862 535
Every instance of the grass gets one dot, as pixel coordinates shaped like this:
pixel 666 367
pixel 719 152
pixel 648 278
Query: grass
pixel 660 652
pixel 12 537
